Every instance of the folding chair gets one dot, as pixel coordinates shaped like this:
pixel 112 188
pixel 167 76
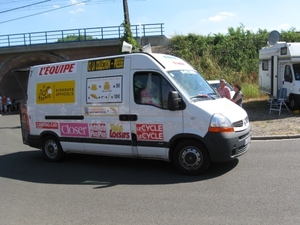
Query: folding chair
pixel 278 104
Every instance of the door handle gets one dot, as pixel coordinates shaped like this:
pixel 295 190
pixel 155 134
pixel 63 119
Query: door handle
pixel 128 117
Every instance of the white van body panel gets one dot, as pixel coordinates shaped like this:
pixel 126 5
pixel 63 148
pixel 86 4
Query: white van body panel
pixel 95 106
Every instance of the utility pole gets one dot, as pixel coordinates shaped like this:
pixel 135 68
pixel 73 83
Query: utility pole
pixel 126 12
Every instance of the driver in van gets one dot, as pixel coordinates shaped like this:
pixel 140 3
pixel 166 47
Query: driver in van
pixel 150 94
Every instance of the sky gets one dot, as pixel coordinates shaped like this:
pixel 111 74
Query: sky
pixel 180 17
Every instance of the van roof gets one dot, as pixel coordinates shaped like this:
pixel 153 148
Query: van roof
pixel 168 62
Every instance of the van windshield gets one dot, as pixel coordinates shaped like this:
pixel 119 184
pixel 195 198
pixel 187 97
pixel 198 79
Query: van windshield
pixel 296 68
pixel 193 84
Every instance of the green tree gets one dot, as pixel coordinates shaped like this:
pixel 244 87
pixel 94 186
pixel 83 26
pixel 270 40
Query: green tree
pixel 233 56
pixel 74 37
pixel 127 37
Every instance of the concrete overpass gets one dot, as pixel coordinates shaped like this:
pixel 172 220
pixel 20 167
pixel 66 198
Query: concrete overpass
pixel 15 60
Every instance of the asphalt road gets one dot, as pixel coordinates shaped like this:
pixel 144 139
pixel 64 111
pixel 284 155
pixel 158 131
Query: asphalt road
pixel 261 187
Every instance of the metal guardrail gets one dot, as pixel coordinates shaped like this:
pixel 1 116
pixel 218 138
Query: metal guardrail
pixel 79 35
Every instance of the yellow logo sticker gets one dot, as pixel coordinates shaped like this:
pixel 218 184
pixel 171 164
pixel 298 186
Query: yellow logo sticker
pixel 55 92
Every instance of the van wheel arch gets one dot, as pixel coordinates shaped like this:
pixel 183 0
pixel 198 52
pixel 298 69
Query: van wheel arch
pixel 189 156
pixel 52 149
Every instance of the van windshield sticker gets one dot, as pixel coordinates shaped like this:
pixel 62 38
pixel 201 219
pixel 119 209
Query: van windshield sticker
pixel 104 90
pixel 174 60
pixel 106 64
pixel 57 69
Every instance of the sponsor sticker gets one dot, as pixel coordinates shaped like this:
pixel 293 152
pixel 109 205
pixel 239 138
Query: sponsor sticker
pixel 46 125
pixel 57 69
pixel 118 131
pixel 55 92
pixel 74 129
pixel 99 111
pixel 153 132
pixel 97 130
pixel 104 89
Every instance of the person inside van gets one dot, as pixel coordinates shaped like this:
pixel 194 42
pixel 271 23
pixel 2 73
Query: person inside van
pixel 238 96
pixel 151 94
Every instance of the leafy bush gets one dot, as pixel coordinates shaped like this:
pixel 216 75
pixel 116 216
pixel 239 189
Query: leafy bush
pixel 74 37
pixel 233 56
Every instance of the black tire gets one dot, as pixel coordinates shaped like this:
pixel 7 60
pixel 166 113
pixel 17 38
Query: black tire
pixel 294 104
pixel 191 158
pixel 52 149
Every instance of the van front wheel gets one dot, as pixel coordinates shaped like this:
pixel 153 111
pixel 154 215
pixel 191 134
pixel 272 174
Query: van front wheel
pixel 294 104
pixel 52 149
pixel 191 157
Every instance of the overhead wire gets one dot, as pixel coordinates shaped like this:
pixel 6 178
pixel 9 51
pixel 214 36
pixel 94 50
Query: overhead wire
pixel 9 10
pixel 77 3
pixel 63 3
pixel 39 6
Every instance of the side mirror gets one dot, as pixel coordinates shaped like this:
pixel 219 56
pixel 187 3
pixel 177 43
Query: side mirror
pixel 174 101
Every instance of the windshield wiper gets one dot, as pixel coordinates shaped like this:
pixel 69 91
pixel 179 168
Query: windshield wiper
pixel 200 96
pixel 208 95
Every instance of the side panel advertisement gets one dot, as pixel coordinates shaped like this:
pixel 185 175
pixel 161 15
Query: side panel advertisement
pixel 55 92
pixel 104 90
pixel 74 129
pixel 150 132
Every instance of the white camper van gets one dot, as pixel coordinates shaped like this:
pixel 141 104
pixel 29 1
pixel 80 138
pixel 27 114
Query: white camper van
pixel 140 105
pixel 279 67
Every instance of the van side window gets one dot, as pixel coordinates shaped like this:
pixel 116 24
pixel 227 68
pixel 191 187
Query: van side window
pixel 288 76
pixel 296 68
pixel 151 88
pixel 265 65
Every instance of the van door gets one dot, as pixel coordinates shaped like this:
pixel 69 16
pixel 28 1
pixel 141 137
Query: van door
pixel 155 125
pixel 105 102
pixel 287 81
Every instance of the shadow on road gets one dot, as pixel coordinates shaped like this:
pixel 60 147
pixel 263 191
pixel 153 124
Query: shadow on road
pixel 16 127
pixel 99 171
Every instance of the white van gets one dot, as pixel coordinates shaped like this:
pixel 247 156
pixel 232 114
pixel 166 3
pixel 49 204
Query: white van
pixel 141 105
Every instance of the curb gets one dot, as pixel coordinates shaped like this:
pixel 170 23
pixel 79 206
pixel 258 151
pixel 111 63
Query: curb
pixel 275 137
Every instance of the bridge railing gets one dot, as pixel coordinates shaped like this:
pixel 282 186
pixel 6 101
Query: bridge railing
pixel 75 35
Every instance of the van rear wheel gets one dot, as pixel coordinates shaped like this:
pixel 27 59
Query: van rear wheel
pixel 191 157
pixel 52 149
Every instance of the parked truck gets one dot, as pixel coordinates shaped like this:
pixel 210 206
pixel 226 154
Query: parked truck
pixel 279 67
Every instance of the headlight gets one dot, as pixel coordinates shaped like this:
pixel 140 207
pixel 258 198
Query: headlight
pixel 220 123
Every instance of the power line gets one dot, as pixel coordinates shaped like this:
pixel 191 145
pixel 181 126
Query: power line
pixel 24 6
pixel 44 12
pixel 58 2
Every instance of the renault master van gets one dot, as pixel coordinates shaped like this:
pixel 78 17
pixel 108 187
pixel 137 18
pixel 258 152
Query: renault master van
pixel 143 105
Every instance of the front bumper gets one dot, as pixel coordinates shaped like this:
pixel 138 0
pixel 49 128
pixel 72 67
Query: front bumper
pixel 227 146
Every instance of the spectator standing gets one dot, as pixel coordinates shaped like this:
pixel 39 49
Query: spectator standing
pixel 0 103
pixel 223 90
pixel 238 96
pixel 4 104
pixel 9 104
